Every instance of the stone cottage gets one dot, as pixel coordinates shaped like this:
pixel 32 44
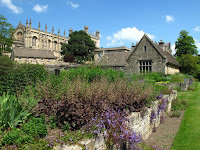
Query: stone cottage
pixel 146 56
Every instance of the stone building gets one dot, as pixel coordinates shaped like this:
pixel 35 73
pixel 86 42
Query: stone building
pixel 146 56
pixel 34 45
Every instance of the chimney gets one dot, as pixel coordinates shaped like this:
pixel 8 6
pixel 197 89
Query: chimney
pixel 86 29
pixel 58 32
pixel 133 46
pixel 162 45
pixel 64 33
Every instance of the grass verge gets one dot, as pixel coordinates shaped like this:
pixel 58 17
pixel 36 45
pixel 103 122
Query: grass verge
pixel 188 134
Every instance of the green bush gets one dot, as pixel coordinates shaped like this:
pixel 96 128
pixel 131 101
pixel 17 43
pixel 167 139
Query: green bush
pixel 177 78
pixel 178 104
pixel 35 127
pixel 15 79
pixel 11 112
pixel 16 136
pixel 176 114
pixel 150 77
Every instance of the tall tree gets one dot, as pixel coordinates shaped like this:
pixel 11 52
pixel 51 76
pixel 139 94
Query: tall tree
pixel 80 47
pixel 185 44
pixel 6 35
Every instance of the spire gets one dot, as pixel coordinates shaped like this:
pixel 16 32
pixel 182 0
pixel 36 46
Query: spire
pixel 58 31
pixel 30 23
pixel 52 30
pixel 20 22
pixel 64 33
pixel 46 28
pixel 39 26
pixel 26 22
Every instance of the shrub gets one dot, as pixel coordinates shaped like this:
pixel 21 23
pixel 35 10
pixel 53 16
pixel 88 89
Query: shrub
pixel 16 79
pixel 11 112
pixel 177 78
pixel 76 102
pixel 16 136
pixel 176 114
pixel 178 104
pixel 35 127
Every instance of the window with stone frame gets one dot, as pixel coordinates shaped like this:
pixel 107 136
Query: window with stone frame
pixel 34 41
pixel 145 66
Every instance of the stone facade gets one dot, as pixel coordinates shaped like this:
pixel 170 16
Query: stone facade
pixel 146 56
pixel 30 38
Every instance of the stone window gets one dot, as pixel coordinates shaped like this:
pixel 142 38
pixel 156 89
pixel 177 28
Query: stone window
pixel 41 59
pixel 19 36
pixel 145 48
pixel 99 55
pixel 20 58
pixel 55 45
pixel 34 41
pixel 48 45
pixel 145 66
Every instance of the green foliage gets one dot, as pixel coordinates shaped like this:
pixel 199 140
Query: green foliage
pixel 35 127
pixel 11 112
pixel 6 34
pixel 185 44
pixel 192 86
pixel 15 79
pixel 177 78
pixel 80 46
pixel 178 104
pixel 15 136
pixel 190 65
pixel 176 114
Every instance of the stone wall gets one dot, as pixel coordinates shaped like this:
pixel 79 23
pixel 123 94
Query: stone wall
pixel 139 121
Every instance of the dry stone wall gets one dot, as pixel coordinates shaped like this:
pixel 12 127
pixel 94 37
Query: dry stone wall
pixel 139 121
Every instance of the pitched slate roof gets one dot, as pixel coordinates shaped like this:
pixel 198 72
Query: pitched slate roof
pixel 33 53
pixel 116 59
pixel 123 48
pixel 168 56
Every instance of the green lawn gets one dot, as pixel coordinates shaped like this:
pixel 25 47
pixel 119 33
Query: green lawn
pixel 188 137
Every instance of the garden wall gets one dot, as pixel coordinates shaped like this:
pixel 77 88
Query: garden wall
pixel 141 122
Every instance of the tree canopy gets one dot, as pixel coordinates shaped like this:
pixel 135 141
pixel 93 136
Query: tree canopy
pixel 185 44
pixel 80 47
pixel 6 35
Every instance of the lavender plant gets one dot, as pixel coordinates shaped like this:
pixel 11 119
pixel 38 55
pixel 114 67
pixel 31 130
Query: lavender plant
pixel 114 127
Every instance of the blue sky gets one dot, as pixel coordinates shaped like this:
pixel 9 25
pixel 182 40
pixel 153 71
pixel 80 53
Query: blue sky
pixel 120 23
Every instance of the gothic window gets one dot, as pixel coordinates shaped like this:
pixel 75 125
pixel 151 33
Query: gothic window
pixel 34 41
pixel 145 66
pixel 19 36
pixel 42 44
pixel 55 45
pixel 48 45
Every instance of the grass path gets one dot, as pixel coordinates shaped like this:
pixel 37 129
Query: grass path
pixel 188 137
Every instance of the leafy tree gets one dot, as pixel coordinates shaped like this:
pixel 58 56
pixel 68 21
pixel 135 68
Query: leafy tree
pixel 80 47
pixel 190 65
pixel 185 44
pixel 6 34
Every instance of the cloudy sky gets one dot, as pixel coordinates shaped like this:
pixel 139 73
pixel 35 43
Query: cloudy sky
pixel 120 23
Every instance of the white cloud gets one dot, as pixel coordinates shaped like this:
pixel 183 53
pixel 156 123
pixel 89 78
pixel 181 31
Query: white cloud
pixel 11 6
pixel 173 49
pixel 73 4
pixel 126 34
pixel 40 8
pixel 169 19
pixel 197 29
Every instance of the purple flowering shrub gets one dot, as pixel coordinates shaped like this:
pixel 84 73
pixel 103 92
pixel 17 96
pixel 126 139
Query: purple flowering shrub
pixel 113 125
pixel 77 102
pixel 152 116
